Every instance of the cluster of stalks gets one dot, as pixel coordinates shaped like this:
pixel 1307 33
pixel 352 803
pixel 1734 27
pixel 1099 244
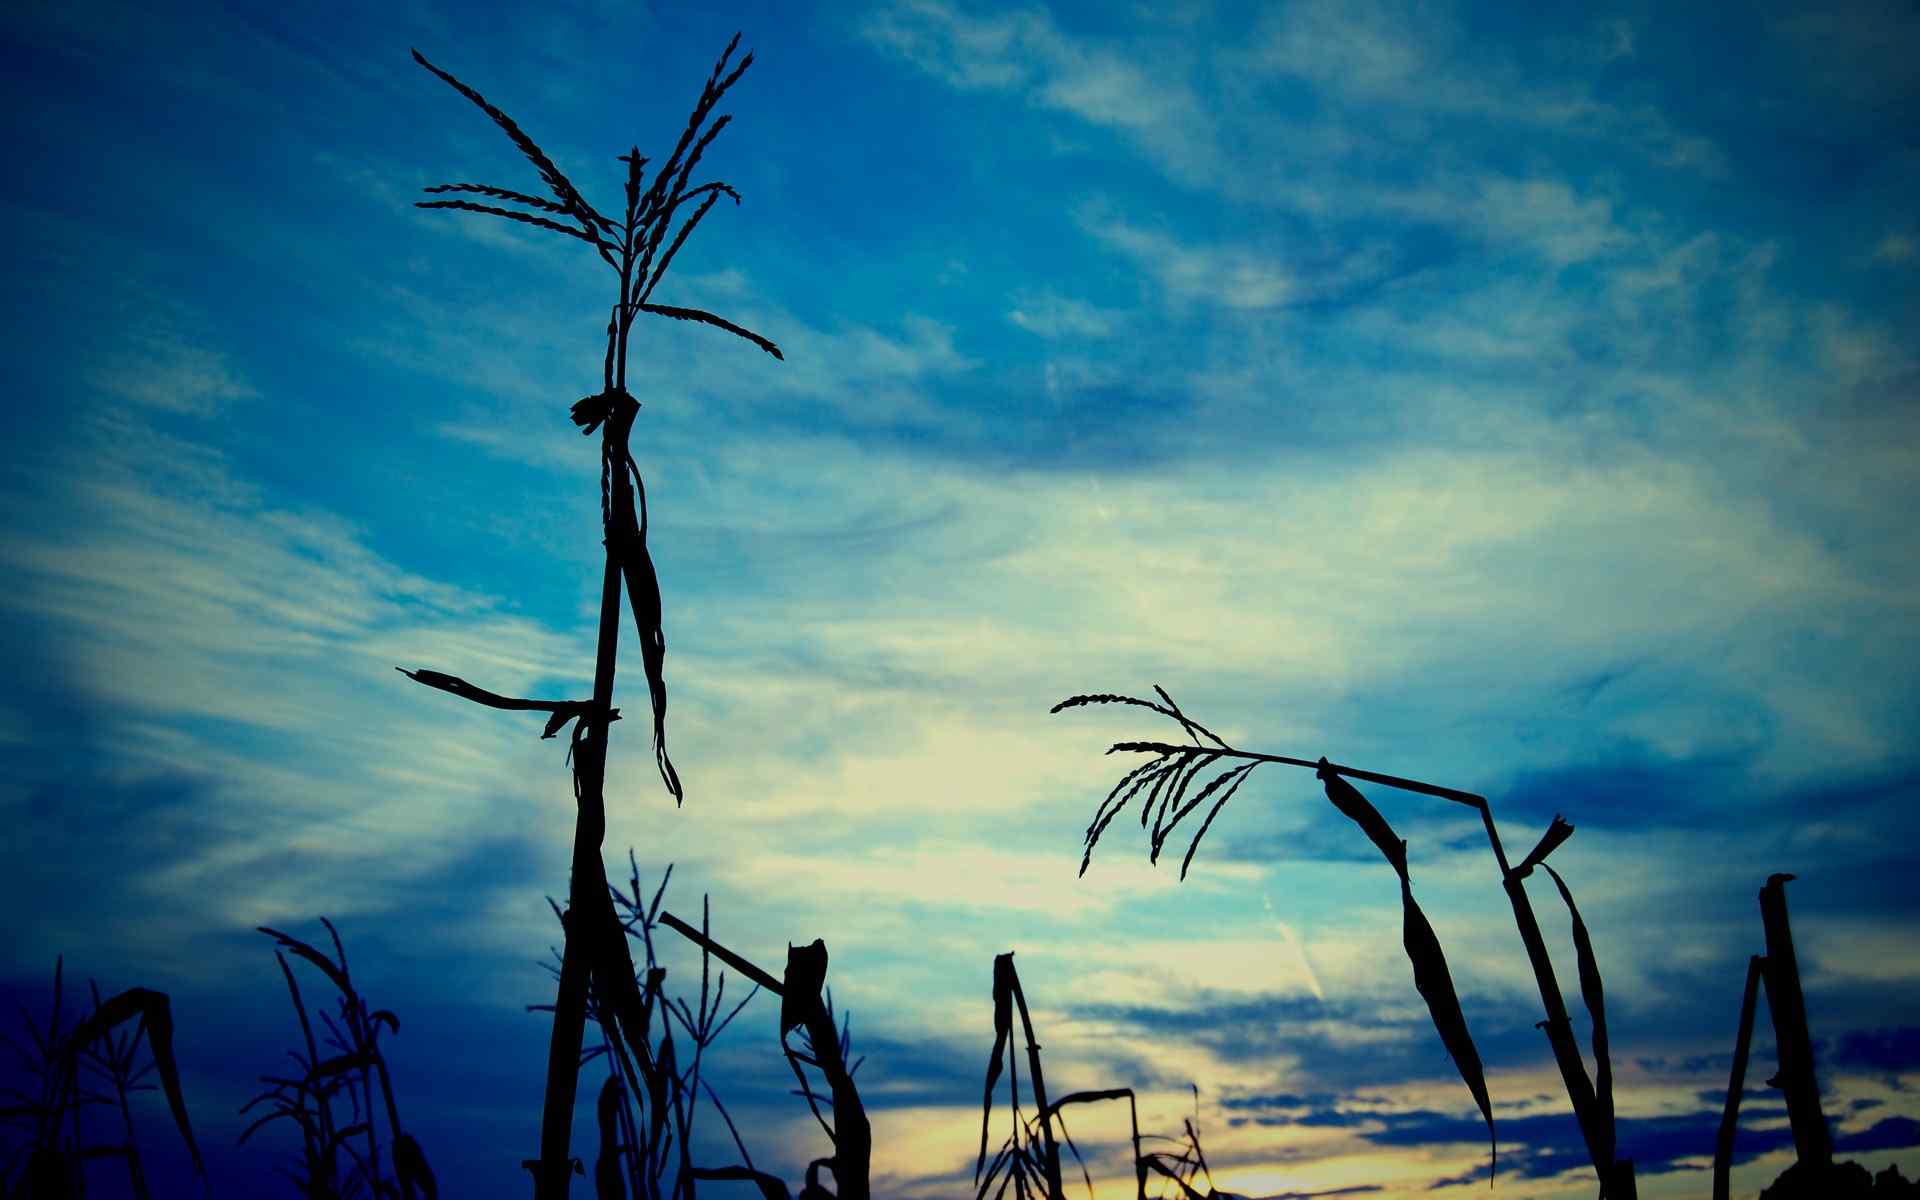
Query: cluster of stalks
pixel 1166 782
pixel 96 1063
pixel 595 960
pixel 806 1006
pixel 1028 1161
pixel 647 1107
pixel 338 1069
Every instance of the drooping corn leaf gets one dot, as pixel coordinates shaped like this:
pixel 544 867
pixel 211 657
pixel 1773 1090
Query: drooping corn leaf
pixel 1361 811
pixel 643 594
pixel 156 1017
pixel 1594 995
pixel 411 1163
pixel 1435 984
pixel 327 967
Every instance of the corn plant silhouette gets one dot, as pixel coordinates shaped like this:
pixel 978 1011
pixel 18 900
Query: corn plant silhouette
pixel 349 1073
pixel 1167 780
pixel 639 251
pixel 56 1147
pixel 1028 1161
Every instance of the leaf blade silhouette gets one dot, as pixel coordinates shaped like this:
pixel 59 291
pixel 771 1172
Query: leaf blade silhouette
pixel 1435 985
pixel 1593 993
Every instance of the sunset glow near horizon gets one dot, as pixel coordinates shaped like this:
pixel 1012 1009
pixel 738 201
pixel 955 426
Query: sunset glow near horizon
pixel 1512 400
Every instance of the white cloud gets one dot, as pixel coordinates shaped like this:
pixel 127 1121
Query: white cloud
pixel 1052 316
pixel 164 372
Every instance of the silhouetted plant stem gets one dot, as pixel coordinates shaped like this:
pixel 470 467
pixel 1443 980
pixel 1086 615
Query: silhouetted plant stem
pixel 1038 1078
pixel 1812 1141
pixel 1736 1081
pixel 595 951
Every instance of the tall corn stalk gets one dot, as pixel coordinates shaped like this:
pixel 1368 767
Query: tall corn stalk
pixel 638 250
pixel 646 1118
pixel 1166 779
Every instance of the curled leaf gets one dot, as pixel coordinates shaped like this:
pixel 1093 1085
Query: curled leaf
pixel 588 411
pixel 805 976
pixel 1558 832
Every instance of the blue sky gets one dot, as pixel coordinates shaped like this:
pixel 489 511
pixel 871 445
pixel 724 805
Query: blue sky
pixel 1521 401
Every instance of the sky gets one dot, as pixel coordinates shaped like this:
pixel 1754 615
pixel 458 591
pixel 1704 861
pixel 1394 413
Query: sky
pixel 1521 399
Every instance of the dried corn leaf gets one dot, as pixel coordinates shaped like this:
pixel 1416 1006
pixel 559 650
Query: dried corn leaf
pixel 340 1064
pixel 643 594
pixel 1435 983
pixel 411 1163
pixel 1361 811
pixel 156 1018
pixel 1595 997
pixel 801 984
pixel 1557 832
pixel 771 1188
pixel 288 941
pixel 707 318
pixel 1002 1033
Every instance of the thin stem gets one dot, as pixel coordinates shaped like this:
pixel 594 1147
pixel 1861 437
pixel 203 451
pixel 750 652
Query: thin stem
pixel 1469 799
pixel 1737 1080
pixel 1051 1147
pixel 587 890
